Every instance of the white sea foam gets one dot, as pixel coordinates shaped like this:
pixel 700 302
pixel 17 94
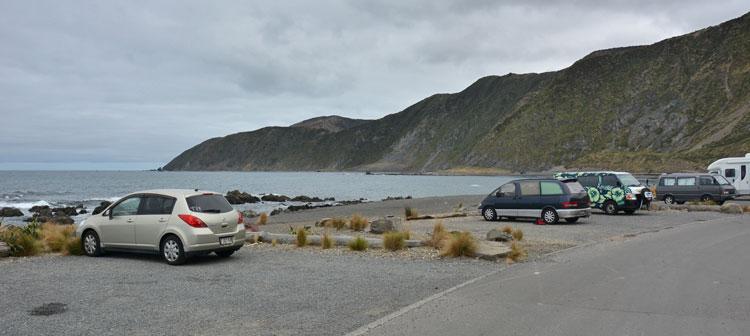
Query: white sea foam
pixel 23 205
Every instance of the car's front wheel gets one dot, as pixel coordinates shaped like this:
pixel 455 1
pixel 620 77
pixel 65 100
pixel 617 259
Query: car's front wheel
pixel 489 214
pixel 549 216
pixel 172 250
pixel 90 244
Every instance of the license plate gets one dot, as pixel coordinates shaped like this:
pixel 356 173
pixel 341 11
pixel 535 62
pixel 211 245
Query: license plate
pixel 226 241
pixel 649 195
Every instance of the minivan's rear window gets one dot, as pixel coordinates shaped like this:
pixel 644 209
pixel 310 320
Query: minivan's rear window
pixel 575 187
pixel 210 203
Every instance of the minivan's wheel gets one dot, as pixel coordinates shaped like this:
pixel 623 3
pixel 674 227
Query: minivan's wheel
pixel 172 251
pixel 669 199
pixel 610 208
pixel 90 244
pixel 706 198
pixel 225 253
pixel 571 220
pixel 549 216
pixel 489 214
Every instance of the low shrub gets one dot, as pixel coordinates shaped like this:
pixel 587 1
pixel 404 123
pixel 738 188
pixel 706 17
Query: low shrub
pixel 517 253
pixel 410 212
pixel 438 236
pixel 394 241
pixel 459 245
pixel 263 219
pixel 336 223
pixel 326 241
pixel 746 208
pixel 358 244
pixel 56 237
pixel 274 242
pixel 507 229
pixel 517 234
pixel 301 237
pixel 357 222
pixel 20 241
pixel 73 247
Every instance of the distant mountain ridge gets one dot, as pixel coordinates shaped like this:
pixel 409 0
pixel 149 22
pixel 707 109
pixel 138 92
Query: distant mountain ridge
pixel 674 105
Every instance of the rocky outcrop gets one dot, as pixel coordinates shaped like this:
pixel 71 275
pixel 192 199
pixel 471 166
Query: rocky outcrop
pixel 383 225
pixel 498 235
pixel 10 212
pixel 238 197
pixel 274 198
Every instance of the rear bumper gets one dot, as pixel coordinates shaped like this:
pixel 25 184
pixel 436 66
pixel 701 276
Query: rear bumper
pixel 573 213
pixel 209 241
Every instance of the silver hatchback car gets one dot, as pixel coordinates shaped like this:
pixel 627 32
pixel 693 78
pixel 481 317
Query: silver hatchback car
pixel 175 223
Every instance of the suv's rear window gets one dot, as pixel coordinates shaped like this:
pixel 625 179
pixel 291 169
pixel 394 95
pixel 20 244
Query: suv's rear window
pixel 212 203
pixel 575 187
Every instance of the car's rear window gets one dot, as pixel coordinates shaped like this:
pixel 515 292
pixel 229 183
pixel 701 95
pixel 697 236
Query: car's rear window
pixel 575 187
pixel 209 203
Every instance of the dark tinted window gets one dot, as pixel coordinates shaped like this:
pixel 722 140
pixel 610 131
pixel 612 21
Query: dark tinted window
pixel 575 187
pixel 127 207
pixel 589 181
pixel 550 188
pixel 609 180
pixel 156 205
pixel 729 172
pixel 707 180
pixel 743 172
pixel 529 188
pixel 210 203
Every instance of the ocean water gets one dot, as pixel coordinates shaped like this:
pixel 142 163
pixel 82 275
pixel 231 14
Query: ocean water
pixel 24 189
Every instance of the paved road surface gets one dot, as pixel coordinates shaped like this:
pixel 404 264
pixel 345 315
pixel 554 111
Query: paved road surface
pixel 692 279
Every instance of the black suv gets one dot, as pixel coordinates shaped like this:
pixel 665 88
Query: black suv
pixel 548 199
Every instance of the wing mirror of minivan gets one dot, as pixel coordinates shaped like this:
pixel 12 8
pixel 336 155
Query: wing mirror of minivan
pixel 108 213
pixel 499 194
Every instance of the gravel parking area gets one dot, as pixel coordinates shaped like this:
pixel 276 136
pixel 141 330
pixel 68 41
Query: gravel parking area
pixel 259 291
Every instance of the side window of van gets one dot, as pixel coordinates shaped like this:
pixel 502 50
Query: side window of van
pixel 609 180
pixel 529 188
pixel 508 190
pixel 590 181
pixel 551 188
pixel 668 181
pixel 729 172
pixel 743 172
pixel 707 180
pixel 686 181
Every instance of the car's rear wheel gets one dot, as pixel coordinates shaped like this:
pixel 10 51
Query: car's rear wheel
pixel 610 208
pixel 489 214
pixel 91 244
pixel 669 199
pixel 549 216
pixel 172 250
pixel 225 254
pixel 571 220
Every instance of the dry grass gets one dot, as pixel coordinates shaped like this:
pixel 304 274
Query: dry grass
pixel 358 244
pixel 517 253
pixel 73 247
pixel 746 209
pixel 274 242
pixel 357 223
pixel 301 237
pixel 410 213
pixel 326 241
pixel 394 241
pixel 438 236
pixel 459 245
pixel 21 242
pixel 256 238
pixel 517 234
pixel 336 223
pixel 55 237
pixel 507 229
pixel 709 202
pixel 262 219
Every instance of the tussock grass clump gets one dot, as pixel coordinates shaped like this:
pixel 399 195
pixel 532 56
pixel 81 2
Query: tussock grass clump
pixel 410 213
pixel 517 253
pixel 517 234
pixel 357 222
pixel 301 237
pixel 394 241
pixel 21 242
pixel 746 209
pixel 459 245
pixel 358 244
pixel 274 242
pixel 326 241
pixel 263 219
pixel 507 229
pixel 336 223
pixel 438 236
pixel 709 202
pixel 73 247
pixel 56 237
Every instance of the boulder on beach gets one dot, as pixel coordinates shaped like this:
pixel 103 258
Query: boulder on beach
pixel 274 198
pixel 306 199
pixel 4 250
pixel 498 235
pixel 383 225
pixel 40 208
pixel 10 212
pixel 61 220
pixel 103 205
pixel 240 197
pixel 67 211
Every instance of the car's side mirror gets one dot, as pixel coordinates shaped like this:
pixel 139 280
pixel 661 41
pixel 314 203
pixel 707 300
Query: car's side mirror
pixel 108 213
pixel 499 194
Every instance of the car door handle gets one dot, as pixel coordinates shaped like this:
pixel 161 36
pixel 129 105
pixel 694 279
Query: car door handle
pixel 130 220
pixel 162 220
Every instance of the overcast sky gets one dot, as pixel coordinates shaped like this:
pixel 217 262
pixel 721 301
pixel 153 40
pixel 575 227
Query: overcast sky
pixel 131 84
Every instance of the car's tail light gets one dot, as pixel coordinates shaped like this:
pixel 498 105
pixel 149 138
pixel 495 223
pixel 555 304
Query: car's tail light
pixel 571 204
pixel 240 219
pixel 630 197
pixel 192 221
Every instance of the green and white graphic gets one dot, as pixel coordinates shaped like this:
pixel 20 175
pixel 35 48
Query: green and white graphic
pixel 601 193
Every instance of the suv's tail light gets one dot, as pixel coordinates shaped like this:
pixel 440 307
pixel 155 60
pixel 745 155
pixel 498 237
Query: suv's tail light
pixel 571 204
pixel 192 221
pixel 240 218
pixel 630 197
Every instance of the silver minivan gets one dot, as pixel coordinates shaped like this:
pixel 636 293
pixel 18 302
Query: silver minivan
pixel 175 223
pixel 682 187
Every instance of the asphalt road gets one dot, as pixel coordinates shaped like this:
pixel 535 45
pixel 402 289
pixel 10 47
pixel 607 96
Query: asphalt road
pixel 692 279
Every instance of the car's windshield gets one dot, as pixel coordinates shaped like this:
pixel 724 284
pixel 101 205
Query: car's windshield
pixel 721 180
pixel 628 180
pixel 208 203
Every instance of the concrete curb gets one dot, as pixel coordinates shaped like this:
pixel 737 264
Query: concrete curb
pixel 283 238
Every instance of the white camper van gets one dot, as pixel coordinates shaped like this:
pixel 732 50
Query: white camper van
pixel 735 170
